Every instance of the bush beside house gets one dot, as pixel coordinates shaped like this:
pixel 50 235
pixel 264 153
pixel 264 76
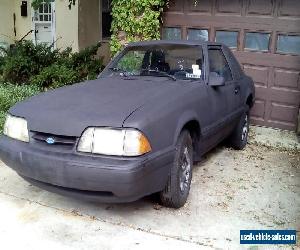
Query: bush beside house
pixel 26 63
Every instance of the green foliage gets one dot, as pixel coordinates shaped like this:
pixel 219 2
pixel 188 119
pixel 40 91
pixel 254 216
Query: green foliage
pixel 47 67
pixel 25 59
pixel 135 21
pixel 11 94
pixel 85 63
pixel 132 61
pixel 69 68
pixel 54 76
pixel 2 120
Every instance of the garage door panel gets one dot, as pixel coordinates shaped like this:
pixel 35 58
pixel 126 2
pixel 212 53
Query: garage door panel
pixel 277 124
pixel 284 96
pixel 258 110
pixel 231 21
pixel 229 7
pixel 260 93
pixel 176 5
pixel 289 8
pixel 259 74
pixel 280 125
pixel 275 106
pixel 260 7
pixel 206 6
pixel 254 58
pixel 287 79
pixel 269 59
pixel 283 113
pixel 174 18
pixel 274 124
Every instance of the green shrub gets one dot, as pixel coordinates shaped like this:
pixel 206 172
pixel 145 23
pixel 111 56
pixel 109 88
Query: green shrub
pixel 25 59
pixel 54 76
pixel 131 61
pixel 2 120
pixel 86 64
pixel 10 95
pixel 25 62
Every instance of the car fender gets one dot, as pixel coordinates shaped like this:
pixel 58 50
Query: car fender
pixel 187 116
pixel 250 90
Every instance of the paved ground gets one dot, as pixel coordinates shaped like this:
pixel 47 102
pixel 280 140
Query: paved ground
pixel 280 139
pixel 258 188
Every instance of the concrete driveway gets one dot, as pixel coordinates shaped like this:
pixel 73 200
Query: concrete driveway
pixel 257 188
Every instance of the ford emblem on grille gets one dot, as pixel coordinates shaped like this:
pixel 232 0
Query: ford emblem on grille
pixel 50 140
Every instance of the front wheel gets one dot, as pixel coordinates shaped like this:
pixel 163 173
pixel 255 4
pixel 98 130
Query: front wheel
pixel 239 137
pixel 177 189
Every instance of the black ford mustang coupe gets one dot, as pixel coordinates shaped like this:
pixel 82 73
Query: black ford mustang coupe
pixel 137 129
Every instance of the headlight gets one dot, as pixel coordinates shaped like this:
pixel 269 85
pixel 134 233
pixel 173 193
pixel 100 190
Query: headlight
pixel 16 128
pixel 106 141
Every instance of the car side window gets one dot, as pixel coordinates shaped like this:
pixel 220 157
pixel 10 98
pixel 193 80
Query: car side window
pixel 218 64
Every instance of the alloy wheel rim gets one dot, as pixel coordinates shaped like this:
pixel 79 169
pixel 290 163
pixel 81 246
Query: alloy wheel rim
pixel 245 129
pixel 185 170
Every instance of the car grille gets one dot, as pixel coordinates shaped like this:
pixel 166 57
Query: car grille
pixel 68 141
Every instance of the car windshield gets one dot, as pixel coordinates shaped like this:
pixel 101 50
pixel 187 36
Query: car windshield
pixel 173 61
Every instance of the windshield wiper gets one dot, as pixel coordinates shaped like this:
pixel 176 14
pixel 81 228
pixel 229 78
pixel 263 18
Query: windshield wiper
pixel 160 73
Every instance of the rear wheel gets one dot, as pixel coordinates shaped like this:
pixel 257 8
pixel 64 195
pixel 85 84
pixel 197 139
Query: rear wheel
pixel 239 137
pixel 177 189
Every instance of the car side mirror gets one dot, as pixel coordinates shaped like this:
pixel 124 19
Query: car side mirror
pixel 215 80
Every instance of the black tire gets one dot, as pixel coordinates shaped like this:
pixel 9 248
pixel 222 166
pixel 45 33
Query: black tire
pixel 239 137
pixel 178 186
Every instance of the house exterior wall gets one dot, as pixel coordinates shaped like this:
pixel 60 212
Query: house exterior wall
pixel 90 28
pixel 66 27
pixel 23 24
pixel 6 21
pixel 88 23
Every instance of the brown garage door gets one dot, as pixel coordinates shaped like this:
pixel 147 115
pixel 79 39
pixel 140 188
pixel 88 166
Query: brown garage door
pixel 265 37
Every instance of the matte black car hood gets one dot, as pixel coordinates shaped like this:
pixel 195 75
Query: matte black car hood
pixel 102 102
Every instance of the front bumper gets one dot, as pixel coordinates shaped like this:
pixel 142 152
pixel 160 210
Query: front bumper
pixel 99 178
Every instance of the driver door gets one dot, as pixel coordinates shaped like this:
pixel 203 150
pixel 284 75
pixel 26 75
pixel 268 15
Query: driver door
pixel 221 98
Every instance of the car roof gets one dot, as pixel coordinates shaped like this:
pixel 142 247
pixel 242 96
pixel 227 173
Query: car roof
pixel 172 42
